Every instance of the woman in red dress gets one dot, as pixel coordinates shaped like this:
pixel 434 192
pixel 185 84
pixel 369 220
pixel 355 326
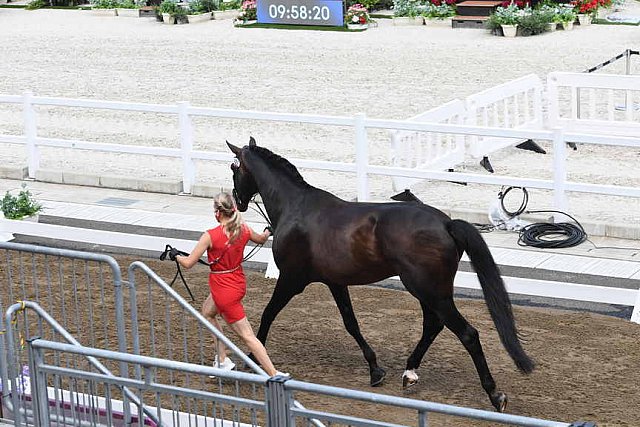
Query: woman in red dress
pixel 225 249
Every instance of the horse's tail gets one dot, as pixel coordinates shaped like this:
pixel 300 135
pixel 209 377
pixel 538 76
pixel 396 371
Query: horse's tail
pixel 469 239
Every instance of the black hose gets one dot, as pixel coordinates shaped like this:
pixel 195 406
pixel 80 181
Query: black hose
pixel 552 235
pixel 523 205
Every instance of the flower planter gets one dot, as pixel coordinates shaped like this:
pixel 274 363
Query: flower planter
pixel 202 17
pixel 168 19
pixel 128 13
pixel 359 27
pixel 104 12
pixel 419 20
pixel 403 20
pixel 438 22
pixel 552 26
pixel 239 23
pixel 509 30
pixel 567 26
pixel 584 19
pixel 225 14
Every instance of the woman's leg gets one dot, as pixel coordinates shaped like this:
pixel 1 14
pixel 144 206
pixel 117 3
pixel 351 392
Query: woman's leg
pixel 243 328
pixel 210 312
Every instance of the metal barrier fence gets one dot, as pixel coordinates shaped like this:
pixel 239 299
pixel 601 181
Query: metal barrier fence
pixel 84 289
pixel 270 402
pixel 143 315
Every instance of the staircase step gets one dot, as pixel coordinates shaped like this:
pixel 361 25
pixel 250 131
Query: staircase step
pixel 477 7
pixel 468 21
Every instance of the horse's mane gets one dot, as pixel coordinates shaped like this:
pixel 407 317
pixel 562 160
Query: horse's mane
pixel 279 162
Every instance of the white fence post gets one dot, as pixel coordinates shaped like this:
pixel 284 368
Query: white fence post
pixel 362 158
pixel 31 134
pixel 559 173
pixel 186 145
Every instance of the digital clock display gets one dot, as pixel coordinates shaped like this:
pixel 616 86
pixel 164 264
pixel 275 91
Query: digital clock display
pixel 301 12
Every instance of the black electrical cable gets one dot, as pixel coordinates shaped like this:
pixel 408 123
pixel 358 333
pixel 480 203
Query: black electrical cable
pixel 552 235
pixel 523 205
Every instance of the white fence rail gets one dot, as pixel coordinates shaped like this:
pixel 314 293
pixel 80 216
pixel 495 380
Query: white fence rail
pixel 513 105
pixel 360 124
pixel 599 103
pixel 421 150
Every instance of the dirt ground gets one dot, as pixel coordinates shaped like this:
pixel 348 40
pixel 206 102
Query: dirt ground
pixel 587 364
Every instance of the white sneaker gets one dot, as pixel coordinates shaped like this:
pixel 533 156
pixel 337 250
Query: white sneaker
pixel 227 365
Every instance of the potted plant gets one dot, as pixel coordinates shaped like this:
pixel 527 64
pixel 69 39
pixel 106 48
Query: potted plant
pixel 127 8
pixel 167 9
pixel 357 17
pixel 567 17
pixel 534 22
pixel 507 18
pixel 197 12
pixel 440 12
pixel 550 15
pixel 226 9
pixel 22 206
pixel 585 9
pixel 104 7
pixel 248 13
pixel 180 15
pixel 405 12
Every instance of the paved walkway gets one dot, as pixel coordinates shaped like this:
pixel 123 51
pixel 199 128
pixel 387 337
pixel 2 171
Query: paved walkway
pixel 601 261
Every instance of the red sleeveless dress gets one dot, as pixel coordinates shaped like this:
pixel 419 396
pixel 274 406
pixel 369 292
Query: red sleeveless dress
pixel 226 279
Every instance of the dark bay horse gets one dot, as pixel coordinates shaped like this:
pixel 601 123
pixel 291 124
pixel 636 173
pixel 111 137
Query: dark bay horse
pixel 321 238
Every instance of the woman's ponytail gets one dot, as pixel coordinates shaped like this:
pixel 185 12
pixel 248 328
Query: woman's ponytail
pixel 225 204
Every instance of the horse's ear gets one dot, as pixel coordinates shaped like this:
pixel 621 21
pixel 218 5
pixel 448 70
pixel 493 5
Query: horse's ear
pixel 234 149
pixel 252 142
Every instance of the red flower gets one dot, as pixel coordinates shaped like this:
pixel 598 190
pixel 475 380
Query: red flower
pixel 363 20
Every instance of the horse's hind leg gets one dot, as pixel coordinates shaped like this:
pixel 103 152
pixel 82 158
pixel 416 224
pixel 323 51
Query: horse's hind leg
pixel 468 335
pixel 431 327
pixel 343 301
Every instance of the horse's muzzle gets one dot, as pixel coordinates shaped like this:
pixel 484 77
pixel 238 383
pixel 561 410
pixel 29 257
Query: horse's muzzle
pixel 242 206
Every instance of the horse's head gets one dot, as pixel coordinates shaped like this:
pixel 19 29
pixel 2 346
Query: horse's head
pixel 244 185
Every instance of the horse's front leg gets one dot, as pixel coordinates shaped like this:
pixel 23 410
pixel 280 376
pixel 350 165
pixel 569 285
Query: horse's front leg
pixel 286 288
pixel 341 296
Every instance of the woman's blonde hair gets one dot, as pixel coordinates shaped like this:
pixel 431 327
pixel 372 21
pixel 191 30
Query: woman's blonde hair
pixel 225 204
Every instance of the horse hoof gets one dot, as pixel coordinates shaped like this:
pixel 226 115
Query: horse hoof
pixel 500 401
pixel 408 382
pixel 409 378
pixel 377 377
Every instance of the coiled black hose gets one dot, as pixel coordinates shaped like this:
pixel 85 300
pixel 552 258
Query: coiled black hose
pixel 548 235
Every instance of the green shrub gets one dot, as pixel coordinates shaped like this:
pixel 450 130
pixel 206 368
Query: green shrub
pixel 168 6
pixel 229 5
pixel 104 4
pixel 36 4
pixel 493 24
pixel 126 4
pixel 17 207
pixel 535 23
pixel 410 8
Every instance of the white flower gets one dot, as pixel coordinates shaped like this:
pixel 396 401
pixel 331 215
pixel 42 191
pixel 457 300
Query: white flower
pixel 355 19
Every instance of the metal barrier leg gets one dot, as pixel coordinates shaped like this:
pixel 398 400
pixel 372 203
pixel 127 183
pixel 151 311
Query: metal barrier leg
pixel 278 400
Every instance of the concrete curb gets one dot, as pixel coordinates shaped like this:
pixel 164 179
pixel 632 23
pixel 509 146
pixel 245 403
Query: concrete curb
pixel 162 186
